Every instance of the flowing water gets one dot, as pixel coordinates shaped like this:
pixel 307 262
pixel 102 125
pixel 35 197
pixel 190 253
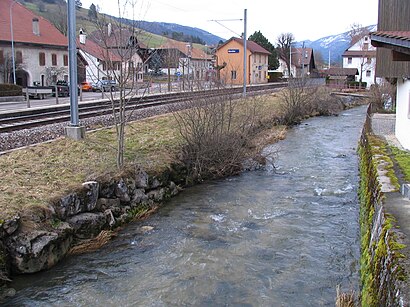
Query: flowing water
pixel 281 237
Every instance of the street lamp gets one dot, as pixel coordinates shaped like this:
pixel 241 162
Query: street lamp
pixel 12 42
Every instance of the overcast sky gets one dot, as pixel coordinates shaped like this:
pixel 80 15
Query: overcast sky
pixel 306 19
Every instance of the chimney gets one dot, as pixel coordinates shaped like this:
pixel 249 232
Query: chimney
pixel 82 37
pixel 36 26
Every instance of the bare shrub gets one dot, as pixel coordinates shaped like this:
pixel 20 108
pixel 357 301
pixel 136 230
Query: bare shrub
pixel 383 95
pixel 323 103
pixel 296 101
pixel 304 98
pixel 216 133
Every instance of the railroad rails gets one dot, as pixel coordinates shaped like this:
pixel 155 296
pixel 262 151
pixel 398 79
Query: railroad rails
pixel 30 118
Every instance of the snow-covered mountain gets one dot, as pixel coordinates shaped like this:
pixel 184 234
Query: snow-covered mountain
pixel 336 44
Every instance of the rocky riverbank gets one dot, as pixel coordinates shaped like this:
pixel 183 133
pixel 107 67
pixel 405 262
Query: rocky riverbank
pixel 82 214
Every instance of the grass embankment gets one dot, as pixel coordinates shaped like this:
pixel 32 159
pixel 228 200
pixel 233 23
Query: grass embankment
pixel 403 161
pixel 33 176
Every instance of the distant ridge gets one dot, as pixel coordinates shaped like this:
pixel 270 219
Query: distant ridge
pixel 336 44
pixel 160 28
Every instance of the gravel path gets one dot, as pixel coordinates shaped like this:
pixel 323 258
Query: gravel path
pixel 17 139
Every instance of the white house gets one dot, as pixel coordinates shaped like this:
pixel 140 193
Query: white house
pixel 184 59
pixel 97 58
pixel 362 55
pixel 40 50
pixel 111 50
pixel 399 44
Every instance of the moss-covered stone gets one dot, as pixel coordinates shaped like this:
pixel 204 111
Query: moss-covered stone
pixel 379 268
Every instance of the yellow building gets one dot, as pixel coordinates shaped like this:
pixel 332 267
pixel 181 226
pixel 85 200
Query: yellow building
pixel 229 62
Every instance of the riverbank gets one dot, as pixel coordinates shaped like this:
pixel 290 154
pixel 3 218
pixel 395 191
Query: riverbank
pixel 64 191
pixel 291 229
pixel 59 192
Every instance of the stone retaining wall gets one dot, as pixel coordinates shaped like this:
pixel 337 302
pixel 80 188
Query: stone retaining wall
pixel 80 215
pixel 381 274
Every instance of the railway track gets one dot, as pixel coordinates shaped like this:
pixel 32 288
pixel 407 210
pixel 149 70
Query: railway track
pixel 30 118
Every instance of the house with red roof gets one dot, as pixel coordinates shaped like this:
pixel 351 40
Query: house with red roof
pixel 112 49
pixel 392 40
pixel 303 63
pixel 101 62
pixel 183 59
pixel 229 59
pixel 41 51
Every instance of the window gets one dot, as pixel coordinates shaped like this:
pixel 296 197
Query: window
pixel 1 57
pixel 233 74
pixel 65 59
pixel 66 78
pixel 349 60
pixel 368 73
pixel 369 60
pixel 19 57
pixel 42 58
pixel 366 46
pixel 54 59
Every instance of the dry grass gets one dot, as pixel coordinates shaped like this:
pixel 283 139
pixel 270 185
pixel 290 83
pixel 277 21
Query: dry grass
pixel 33 176
pixel 94 244
pixel 345 299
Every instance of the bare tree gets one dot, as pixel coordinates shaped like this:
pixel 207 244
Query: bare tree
pixel 284 43
pixel 121 62
pixel 6 68
pixel 53 74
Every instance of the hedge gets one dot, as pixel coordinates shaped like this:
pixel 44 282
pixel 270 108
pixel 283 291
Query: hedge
pixel 10 90
pixel 356 84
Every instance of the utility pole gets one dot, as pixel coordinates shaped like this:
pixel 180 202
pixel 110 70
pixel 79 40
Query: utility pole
pixel 244 45
pixel 244 53
pixel 73 131
pixel 329 60
pixel 290 60
pixel 12 42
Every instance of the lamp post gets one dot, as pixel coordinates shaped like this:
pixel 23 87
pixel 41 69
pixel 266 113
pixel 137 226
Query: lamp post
pixel 12 42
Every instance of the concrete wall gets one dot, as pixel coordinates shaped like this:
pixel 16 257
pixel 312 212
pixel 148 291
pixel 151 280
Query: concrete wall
pixel 403 113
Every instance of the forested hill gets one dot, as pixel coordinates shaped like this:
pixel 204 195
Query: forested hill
pixel 54 10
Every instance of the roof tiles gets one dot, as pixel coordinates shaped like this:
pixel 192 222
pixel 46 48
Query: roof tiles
pixel 23 26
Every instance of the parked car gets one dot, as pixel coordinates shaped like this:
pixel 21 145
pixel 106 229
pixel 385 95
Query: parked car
pixel 105 86
pixel 63 89
pixel 86 86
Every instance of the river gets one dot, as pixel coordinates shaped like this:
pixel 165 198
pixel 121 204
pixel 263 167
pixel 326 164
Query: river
pixel 285 236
